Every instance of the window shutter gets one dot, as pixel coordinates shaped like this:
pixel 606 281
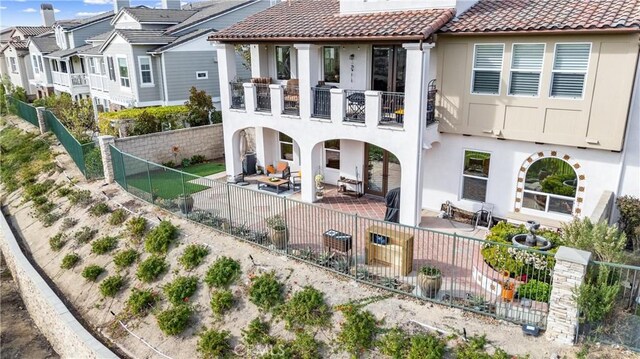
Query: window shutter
pixel 112 72
pixel 567 85
pixel 570 67
pixel 488 57
pixel 526 64
pixel 487 64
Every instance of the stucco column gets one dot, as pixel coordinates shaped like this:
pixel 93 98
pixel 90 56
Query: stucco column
pixel 105 154
pixel 259 61
pixel 232 159
pixel 41 121
pixel 372 108
pixel 277 99
pixel 337 105
pixel 308 75
pixel 414 125
pixel 310 162
pixel 249 97
pixel 226 54
pixel 261 149
pixel 568 274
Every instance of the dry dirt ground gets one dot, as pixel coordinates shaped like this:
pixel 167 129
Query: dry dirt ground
pixel 100 312
pixel 19 336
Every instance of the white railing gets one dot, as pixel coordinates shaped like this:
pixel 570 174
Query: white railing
pixel 69 80
pixel 79 79
pixel 97 82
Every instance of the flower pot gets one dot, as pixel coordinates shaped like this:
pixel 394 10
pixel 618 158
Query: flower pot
pixel 507 294
pixel 279 238
pixel 429 284
pixel 185 204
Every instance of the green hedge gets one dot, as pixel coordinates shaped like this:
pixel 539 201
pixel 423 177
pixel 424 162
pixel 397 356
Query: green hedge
pixel 134 113
pixel 146 120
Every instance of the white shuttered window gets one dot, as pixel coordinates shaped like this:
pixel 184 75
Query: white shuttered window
pixel 570 70
pixel 487 67
pixel 526 66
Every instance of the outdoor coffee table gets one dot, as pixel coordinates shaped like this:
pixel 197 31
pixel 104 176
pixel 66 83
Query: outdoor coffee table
pixel 270 182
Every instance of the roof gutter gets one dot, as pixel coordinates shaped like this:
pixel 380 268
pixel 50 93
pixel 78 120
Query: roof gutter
pixel 320 38
pixel 625 30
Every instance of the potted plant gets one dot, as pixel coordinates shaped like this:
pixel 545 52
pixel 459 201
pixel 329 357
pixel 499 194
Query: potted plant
pixel 319 178
pixel 429 281
pixel 508 287
pixel 279 232
pixel 185 202
pixel 259 170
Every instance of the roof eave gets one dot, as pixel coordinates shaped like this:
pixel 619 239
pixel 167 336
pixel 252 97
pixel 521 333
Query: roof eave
pixel 543 32
pixel 321 38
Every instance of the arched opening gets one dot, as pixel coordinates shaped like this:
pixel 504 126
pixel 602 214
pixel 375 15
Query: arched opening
pixel 382 170
pixel 550 185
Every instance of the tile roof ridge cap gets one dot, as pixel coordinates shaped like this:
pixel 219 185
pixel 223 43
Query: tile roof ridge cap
pixel 388 12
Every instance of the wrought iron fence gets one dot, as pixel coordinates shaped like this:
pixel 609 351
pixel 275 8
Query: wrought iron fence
pixel 321 102
pixel 431 102
pixel 237 95
pixel 291 100
pixel 354 106
pixel 392 109
pixel 24 110
pixel 426 264
pixel 263 98
pixel 621 326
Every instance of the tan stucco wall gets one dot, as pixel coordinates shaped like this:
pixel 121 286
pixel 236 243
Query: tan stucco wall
pixel 597 120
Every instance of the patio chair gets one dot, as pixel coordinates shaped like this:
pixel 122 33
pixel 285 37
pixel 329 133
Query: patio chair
pixel 292 94
pixel 283 171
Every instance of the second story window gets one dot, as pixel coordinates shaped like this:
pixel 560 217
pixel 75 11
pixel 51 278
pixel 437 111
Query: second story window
pixel 40 64
pixel 34 64
pixel 54 65
pixel 63 67
pixel 487 67
pixel 526 66
pixel 570 65
pixel 14 65
pixel 146 74
pixel 92 65
pixel 331 61
pixel 123 71
pixel 283 62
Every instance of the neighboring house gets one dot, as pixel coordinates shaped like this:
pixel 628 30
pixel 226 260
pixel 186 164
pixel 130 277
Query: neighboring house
pixel 14 54
pixel 529 106
pixel 41 83
pixel 154 56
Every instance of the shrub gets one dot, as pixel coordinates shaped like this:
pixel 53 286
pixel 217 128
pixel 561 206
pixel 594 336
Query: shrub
pixel 629 208
pixel 146 120
pixel 185 163
pixel 535 290
pixel 81 197
pixel 257 332
pixel 306 307
pixel 223 272
pixel 199 106
pixel 606 243
pixel 57 242
pixel 358 331
pixel 111 285
pixel 31 191
pixel 64 191
pixel 151 268
pixel 426 346
pixel 92 272
pixel 48 219
pixel 266 292
pixel 180 289
pixel 596 296
pixel 70 260
pixel 125 258
pixel 141 301
pixel 221 301
pixel 474 347
pixel 99 209
pixel 305 346
pixel 118 217
pixel 174 321
pixel 159 238
pixel 193 255
pixel 104 245
pixel 214 344
pixel 136 227
pixel 93 163
pixel 68 223
pixel 195 159
pixel 85 234
pixel 395 343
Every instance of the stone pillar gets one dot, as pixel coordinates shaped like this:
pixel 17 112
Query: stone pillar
pixel 226 54
pixel 41 121
pixel 308 75
pixel 568 274
pixel 105 152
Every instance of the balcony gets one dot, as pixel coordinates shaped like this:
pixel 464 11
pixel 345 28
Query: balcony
pixel 70 83
pixel 98 82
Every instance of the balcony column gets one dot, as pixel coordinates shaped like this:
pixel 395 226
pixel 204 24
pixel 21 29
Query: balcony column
pixel 250 97
pixel 372 108
pixel 414 125
pixel 226 54
pixel 277 98
pixel 337 105
pixel 259 61
pixel 310 161
pixel 308 75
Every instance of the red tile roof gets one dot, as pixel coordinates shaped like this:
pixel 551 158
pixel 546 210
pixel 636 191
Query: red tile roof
pixel 320 20
pixel 547 15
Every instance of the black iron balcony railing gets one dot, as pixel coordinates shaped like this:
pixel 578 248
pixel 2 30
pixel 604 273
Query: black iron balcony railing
pixel 291 100
pixel 263 98
pixel 321 102
pixel 237 95
pixel 354 106
pixel 392 111
pixel 431 102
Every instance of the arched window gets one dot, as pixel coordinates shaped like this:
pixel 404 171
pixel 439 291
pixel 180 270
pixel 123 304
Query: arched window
pixel 550 186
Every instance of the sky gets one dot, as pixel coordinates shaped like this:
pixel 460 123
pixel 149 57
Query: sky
pixel 27 12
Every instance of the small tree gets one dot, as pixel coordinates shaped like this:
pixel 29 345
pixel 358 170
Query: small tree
pixel 79 118
pixel 605 242
pixel 629 208
pixel 200 106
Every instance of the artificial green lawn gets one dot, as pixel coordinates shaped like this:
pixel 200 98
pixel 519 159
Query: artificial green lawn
pixel 167 184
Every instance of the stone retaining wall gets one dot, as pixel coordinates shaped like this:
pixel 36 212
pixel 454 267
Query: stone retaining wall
pixel 157 147
pixel 67 336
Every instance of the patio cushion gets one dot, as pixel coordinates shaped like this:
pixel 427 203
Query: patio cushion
pixel 271 169
pixel 282 166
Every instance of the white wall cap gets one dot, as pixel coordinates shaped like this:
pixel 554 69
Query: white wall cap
pixel 573 255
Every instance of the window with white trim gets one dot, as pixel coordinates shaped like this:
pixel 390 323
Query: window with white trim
pixel 92 66
pixel 101 66
pixel 14 65
pixel 331 63
pixel 123 71
pixel 283 62
pixel 286 147
pixel 550 186
pixel 487 68
pixel 526 68
pixel 475 175
pixel 202 75
pixel 63 67
pixel 570 64
pixel 40 64
pixel 332 154
pixel 34 64
pixel 54 65
pixel 146 73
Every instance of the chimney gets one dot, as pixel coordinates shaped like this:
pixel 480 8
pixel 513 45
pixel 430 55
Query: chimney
pixel 48 16
pixel 171 4
pixel 119 4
